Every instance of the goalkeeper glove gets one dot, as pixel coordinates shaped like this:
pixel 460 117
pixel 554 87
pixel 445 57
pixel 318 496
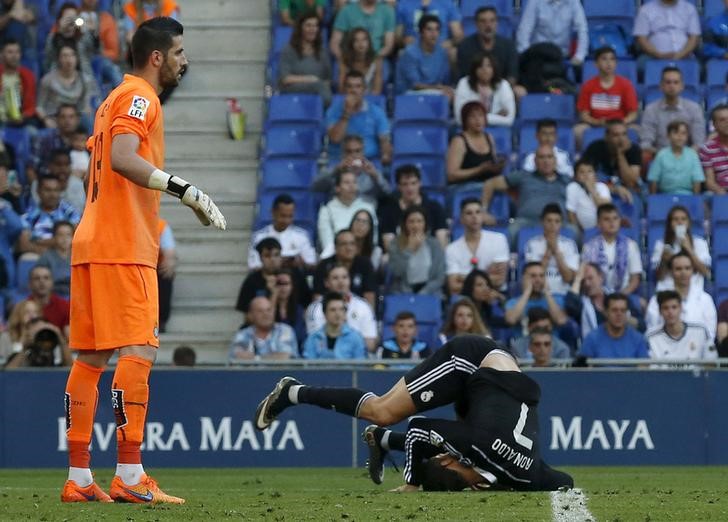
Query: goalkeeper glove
pixel 202 205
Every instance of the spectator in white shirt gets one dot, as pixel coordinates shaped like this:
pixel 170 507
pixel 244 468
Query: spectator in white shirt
pixel 676 338
pixel 477 248
pixel 547 135
pixel 485 84
pixel 584 195
pixel 338 213
pixel 296 247
pixel 558 254
pixel 359 314
pixel 697 305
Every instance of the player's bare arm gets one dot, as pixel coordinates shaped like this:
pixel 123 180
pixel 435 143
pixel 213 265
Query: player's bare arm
pixel 126 161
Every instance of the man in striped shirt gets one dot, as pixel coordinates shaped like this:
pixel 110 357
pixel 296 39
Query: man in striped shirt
pixel 714 153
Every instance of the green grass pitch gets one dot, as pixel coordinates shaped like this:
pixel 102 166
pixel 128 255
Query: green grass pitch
pixel 614 494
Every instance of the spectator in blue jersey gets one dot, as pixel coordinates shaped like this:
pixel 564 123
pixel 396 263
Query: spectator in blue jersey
pixel 40 219
pixel 352 114
pixel 615 339
pixel 405 344
pixel 11 228
pixel 48 140
pixel 410 13
pixel 424 66
pixel 336 339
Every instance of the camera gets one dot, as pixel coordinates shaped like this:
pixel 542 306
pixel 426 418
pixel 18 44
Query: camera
pixel 40 351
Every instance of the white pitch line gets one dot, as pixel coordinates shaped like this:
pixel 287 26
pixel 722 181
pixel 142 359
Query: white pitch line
pixel 570 506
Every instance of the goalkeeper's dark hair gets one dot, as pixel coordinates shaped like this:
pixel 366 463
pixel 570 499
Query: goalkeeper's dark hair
pixel 436 477
pixel 268 243
pixel 330 297
pixel 156 34
pixel 283 199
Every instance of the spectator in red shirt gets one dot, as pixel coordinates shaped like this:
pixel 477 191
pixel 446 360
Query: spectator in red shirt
pixel 605 97
pixel 56 310
pixel 714 152
pixel 18 109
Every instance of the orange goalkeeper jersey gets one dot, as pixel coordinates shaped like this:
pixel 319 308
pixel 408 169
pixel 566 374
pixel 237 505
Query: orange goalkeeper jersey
pixel 120 220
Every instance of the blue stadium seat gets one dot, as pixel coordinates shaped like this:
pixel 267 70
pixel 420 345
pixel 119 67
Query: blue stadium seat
pixel 626 68
pixel 716 72
pixel 720 280
pixel 430 108
pixel 719 216
pixel 426 140
pixel 503 138
pixel 534 107
pixel 690 70
pixel 436 195
pixel 291 140
pixel 712 8
pixel 281 173
pixel 306 204
pixel 427 309
pixel 281 37
pixel 432 170
pixel 621 12
pixel 659 205
pixel 300 108
pixel 631 216
pixel 528 143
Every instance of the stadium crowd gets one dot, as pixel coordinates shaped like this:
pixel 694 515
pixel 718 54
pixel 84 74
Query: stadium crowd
pixel 547 173
pixel 58 60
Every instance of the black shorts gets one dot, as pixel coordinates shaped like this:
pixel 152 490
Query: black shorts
pixel 440 379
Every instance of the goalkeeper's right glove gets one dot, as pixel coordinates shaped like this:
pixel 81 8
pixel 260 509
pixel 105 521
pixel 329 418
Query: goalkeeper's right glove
pixel 202 205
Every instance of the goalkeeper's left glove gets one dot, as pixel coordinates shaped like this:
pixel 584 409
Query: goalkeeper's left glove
pixel 202 205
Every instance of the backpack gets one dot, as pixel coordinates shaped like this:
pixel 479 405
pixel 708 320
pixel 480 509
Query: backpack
pixel 610 35
pixel 542 65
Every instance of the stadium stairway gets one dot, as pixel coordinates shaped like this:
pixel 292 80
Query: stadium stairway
pixel 226 42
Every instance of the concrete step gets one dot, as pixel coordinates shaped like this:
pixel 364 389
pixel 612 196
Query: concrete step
pixel 209 281
pixel 229 40
pixel 217 145
pixel 237 178
pixel 205 320
pixel 196 11
pixel 238 214
pixel 211 348
pixel 211 111
pixel 225 74
pixel 209 246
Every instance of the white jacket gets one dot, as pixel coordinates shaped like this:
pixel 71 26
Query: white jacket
pixel 503 99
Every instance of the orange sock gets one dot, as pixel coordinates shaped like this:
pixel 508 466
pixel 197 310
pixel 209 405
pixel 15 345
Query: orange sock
pixel 129 397
pixel 82 395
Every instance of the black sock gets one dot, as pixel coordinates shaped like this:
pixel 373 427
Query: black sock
pixel 396 441
pixel 343 400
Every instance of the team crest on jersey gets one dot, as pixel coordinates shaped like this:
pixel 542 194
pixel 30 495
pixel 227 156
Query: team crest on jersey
pixel 138 108
pixel 426 396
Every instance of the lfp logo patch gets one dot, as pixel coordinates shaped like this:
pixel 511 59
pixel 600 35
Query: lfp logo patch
pixel 138 108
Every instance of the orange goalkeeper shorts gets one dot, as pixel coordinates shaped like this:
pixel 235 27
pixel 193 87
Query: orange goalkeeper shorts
pixel 113 306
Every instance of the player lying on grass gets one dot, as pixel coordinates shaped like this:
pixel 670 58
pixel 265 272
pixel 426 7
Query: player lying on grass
pixel 435 382
pixel 493 445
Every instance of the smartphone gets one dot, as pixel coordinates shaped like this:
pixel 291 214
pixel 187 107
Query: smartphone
pixel 12 177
